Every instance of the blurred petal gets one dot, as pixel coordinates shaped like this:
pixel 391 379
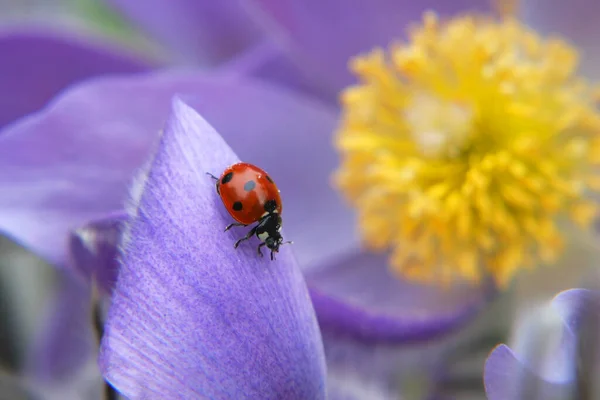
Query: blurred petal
pixel 94 250
pixel 66 339
pixel 358 369
pixel 85 382
pixel 37 64
pixel 576 306
pixel 269 62
pixel 357 293
pixel 575 20
pixel 71 163
pixel 543 344
pixel 370 369
pixel 324 34
pixel 506 377
pixel 191 316
pixel 580 309
pixel 560 343
pixel 197 31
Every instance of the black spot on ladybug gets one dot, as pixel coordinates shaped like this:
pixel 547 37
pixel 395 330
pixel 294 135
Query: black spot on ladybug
pixel 269 178
pixel 249 186
pixel 227 178
pixel 270 206
pixel 237 206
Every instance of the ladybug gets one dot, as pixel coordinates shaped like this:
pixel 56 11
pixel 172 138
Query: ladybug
pixel 250 196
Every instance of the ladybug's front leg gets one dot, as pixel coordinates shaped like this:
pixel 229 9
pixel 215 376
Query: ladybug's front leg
pixel 228 227
pixel 250 233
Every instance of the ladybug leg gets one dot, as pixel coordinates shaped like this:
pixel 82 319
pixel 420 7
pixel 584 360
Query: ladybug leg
pixel 250 233
pixel 258 249
pixel 272 256
pixel 212 176
pixel 234 224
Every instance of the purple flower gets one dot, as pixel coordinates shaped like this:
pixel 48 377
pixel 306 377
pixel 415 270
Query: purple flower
pixel 134 110
pixel 94 175
pixel 556 353
pixel 65 170
pixel 156 303
pixel 73 162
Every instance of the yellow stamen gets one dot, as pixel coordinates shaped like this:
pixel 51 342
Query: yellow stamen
pixel 465 149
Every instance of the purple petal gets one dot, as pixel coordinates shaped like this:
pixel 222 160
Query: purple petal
pixel 506 377
pixel 269 62
pixel 580 311
pixel 367 370
pixel 576 306
pixel 71 163
pixel 38 64
pixel 370 369
pixel 196 31
pixel 192 316
pixel 552 370
pixel 357 293
pixel 575 20
pixel 94 250
pixel 324 34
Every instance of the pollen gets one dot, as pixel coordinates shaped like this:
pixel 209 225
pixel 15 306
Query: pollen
pixel 468 150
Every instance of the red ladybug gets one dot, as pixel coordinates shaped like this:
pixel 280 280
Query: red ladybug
pixel 250 195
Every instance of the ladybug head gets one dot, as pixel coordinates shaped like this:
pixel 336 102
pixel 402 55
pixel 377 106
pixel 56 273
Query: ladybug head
pixel 273 241
pixel 269 232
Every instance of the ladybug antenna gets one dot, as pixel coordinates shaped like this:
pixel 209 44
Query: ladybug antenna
pixel 212 176
pixel 288 242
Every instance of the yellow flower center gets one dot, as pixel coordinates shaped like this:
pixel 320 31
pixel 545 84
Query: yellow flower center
pixel 469 148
